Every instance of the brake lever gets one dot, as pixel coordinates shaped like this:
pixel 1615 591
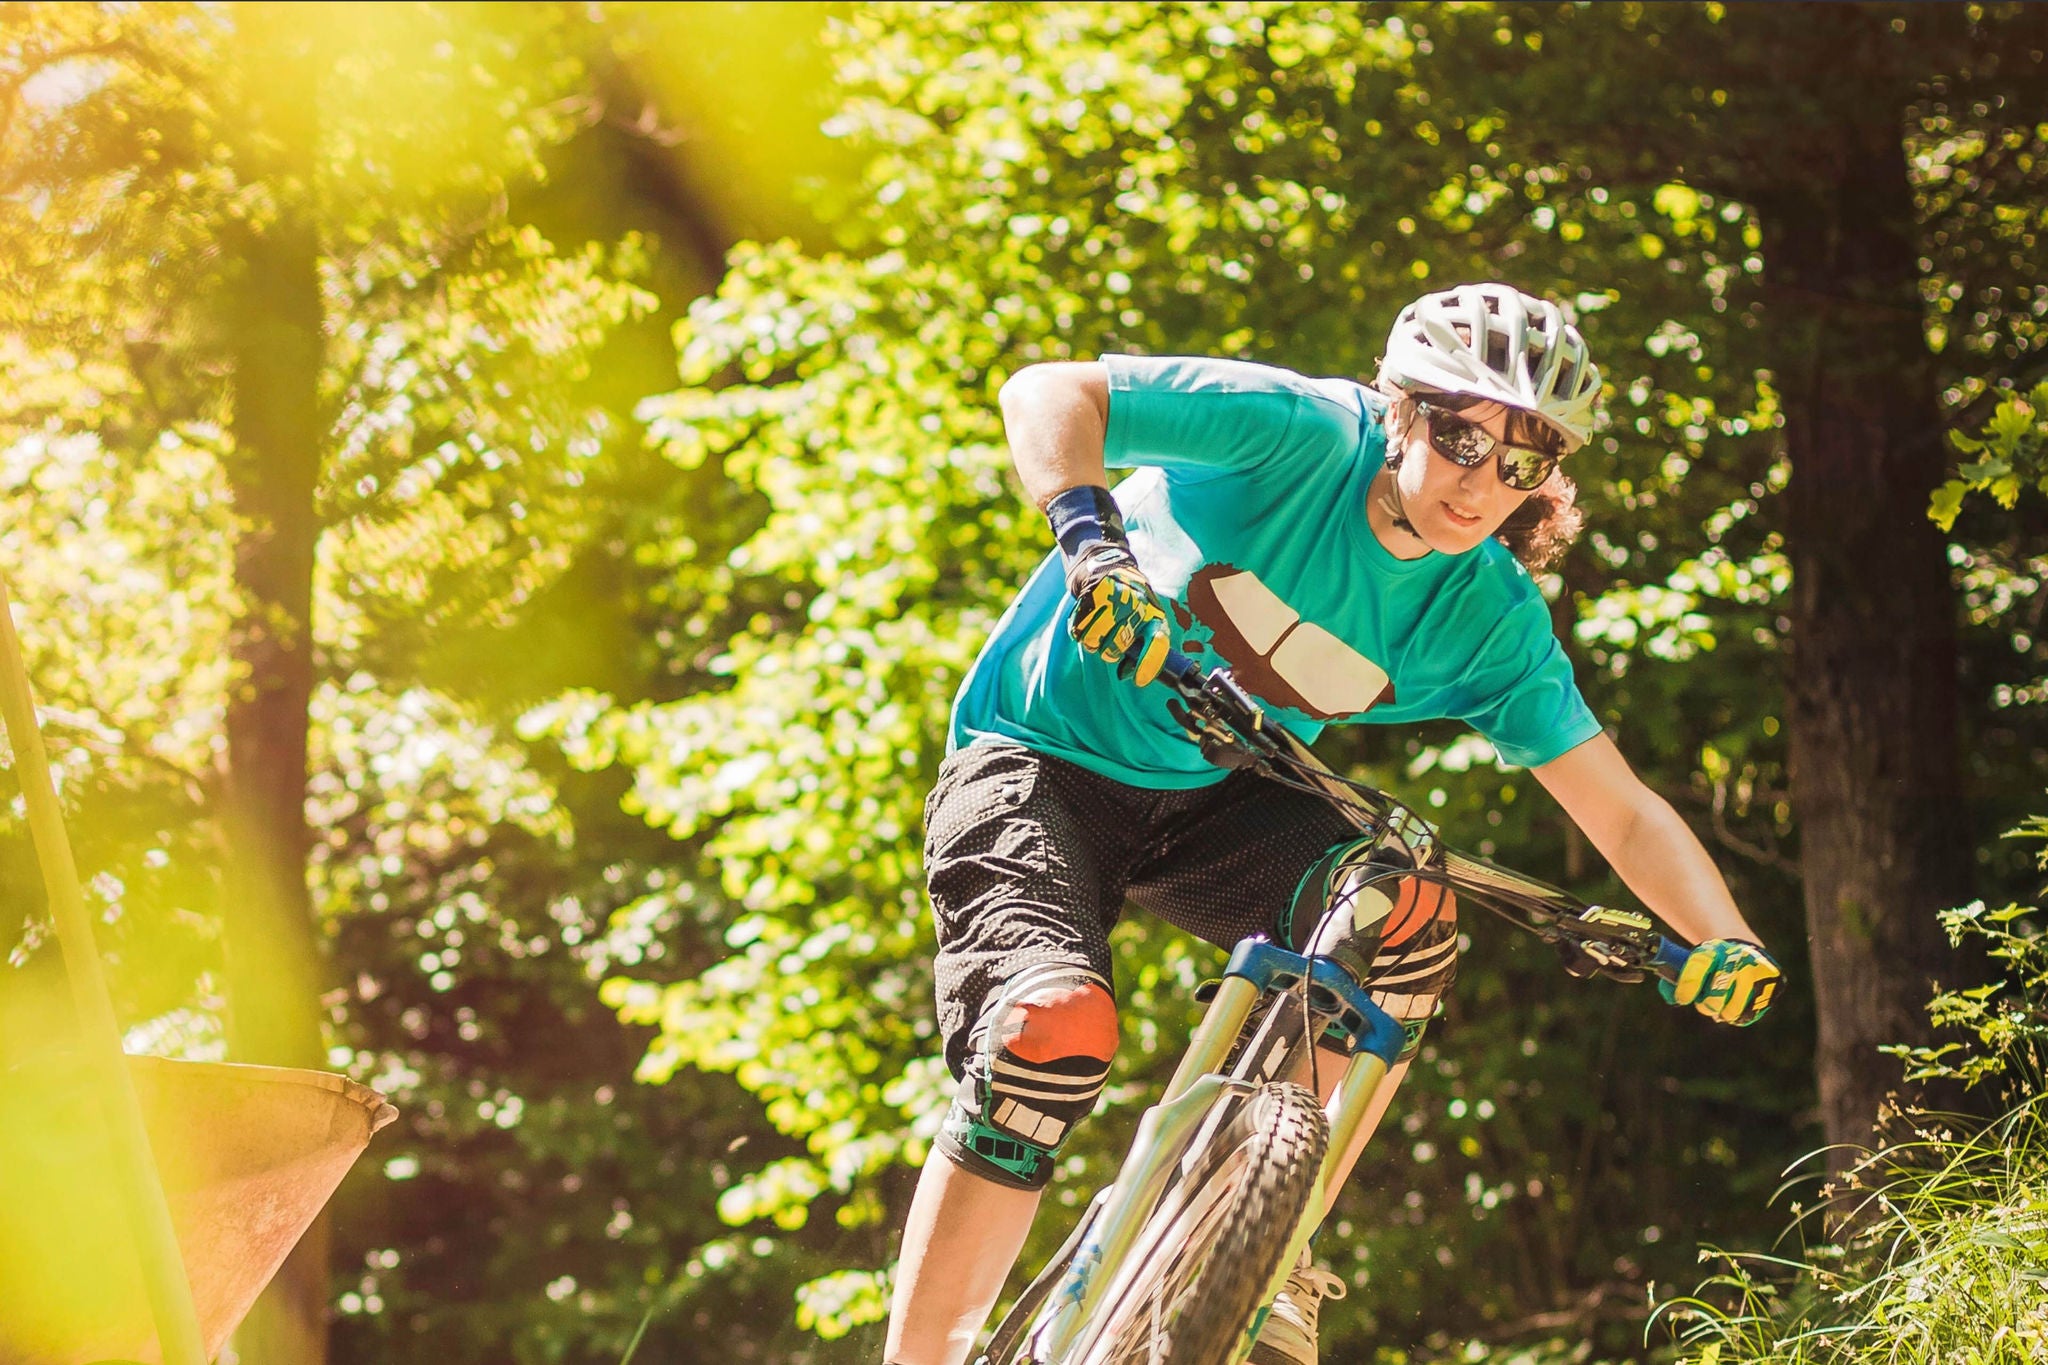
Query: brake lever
pixel 1243 712
pixel 1217 712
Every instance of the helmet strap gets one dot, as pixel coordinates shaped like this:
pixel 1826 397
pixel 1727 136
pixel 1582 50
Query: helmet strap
pixel 1390 498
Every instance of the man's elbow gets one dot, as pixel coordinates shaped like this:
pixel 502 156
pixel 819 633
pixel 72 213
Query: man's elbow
pixel 1055 383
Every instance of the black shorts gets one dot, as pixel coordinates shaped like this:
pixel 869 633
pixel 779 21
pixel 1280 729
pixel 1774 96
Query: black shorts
pixel 1030 859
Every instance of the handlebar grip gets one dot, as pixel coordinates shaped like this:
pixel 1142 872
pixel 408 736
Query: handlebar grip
pixel 1670 959
pixel 1179 669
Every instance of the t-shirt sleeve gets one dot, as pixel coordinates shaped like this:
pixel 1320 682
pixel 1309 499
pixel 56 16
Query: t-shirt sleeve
pixel 1198 413
pixel 1527 704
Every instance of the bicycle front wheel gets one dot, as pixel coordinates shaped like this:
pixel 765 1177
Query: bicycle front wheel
pixel 1202 1263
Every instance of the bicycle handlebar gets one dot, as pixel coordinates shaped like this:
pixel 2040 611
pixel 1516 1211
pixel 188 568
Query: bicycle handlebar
pixel 1226 720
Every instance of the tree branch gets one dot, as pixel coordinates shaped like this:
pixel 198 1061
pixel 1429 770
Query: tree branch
pixel 96 738
pixel 1616 1299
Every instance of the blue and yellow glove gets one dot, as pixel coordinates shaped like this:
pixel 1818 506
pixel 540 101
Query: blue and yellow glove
pixel 1727 980
pixel 1116 616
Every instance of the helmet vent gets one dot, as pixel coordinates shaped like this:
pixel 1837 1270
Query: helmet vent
pixel 1497 358
pixel 1494 342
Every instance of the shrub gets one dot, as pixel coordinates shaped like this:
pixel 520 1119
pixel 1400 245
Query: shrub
pixel 1947 1261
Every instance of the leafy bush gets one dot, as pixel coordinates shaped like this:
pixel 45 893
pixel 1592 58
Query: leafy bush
pixel 1947 1260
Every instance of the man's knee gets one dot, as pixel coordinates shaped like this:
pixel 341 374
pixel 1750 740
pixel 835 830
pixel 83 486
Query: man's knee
pixel 1039 1058
pixel 1389 922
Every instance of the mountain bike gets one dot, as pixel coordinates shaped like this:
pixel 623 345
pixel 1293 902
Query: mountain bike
pixel 1177 1261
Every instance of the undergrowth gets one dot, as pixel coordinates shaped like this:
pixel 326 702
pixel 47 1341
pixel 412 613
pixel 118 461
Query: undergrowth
pixel 1945 1258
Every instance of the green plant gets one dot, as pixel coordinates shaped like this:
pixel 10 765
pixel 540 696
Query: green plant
pixel 1947 1260
pixel 1950 1265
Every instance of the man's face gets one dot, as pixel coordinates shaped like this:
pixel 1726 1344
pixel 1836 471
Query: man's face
pixel 1453 508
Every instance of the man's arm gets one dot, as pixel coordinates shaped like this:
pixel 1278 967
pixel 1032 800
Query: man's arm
pixel 1057 419
pixel 1056 416
pixel 1645 841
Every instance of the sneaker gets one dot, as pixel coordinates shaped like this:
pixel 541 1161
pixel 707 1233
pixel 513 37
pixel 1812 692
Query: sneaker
pixel 1288 1336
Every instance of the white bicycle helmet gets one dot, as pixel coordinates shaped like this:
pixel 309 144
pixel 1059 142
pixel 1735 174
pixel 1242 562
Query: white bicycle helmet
pixel 1493 341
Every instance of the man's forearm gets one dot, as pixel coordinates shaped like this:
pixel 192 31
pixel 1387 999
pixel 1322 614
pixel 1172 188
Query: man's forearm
pixel 1644 841
pixel 1665 865
pixel 1056 416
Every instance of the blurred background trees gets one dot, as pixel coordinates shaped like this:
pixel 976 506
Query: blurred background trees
pixel 461 682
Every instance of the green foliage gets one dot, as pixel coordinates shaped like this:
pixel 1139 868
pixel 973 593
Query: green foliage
pixel 2011 451
pixel 1952 1266
pixel 2005 1022
pixel 604 733
pixel 1947 1253
pixel 1260 180
pixel 483 490
pixel 1948 1261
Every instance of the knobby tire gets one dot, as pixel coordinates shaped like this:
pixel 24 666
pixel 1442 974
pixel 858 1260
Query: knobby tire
pixel 1201 1265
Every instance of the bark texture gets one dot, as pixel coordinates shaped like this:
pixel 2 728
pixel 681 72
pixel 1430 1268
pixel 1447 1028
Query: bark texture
pixel 274 324
pixel 1872 714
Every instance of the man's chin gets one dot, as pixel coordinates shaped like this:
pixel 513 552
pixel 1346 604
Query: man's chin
pixel 1452 540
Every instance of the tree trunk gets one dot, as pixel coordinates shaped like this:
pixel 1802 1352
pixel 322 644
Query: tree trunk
pixel 1872 707
pixel 274 323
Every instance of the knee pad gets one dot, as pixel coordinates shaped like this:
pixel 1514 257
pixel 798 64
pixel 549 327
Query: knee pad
pixel 1036 1063
pixel 1397 932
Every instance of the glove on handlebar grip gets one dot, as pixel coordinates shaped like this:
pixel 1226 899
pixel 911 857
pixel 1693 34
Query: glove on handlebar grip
pixel 1671 956
pixel 1731 981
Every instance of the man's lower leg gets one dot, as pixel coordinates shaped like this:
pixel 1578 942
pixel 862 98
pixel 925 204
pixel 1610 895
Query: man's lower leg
pixel 963 1235
pixel 1040 1055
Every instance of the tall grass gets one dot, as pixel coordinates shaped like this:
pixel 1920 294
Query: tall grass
pixel 1949 1267
pixel 1946 1260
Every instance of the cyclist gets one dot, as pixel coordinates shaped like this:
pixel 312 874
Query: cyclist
pixel 1354 553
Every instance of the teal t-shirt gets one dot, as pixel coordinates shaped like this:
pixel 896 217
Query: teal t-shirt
pixel 1248 515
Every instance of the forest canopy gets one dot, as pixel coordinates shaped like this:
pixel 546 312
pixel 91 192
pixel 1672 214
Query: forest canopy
pixel 500 499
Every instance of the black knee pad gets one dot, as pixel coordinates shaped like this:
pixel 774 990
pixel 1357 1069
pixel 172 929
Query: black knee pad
pixel 1402 942
pixel 1032 1073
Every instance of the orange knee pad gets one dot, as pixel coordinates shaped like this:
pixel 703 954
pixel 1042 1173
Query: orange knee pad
pixel 1396 931
pixel 1039 1059
pixel 1061 1019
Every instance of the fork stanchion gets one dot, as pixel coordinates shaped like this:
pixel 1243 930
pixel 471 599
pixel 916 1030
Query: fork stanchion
pixel 135 1171
pixel 1354 1096
pixel 1215 1035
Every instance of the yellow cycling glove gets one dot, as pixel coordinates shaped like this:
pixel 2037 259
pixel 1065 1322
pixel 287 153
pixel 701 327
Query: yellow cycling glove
pixel 1727 980
pixel 1117 616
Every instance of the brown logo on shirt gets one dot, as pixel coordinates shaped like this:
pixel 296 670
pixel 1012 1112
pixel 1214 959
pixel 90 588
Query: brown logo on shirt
pixel 1278 657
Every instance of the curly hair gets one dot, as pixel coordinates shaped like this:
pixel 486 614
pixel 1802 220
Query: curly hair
pixel 1545 525
pixel 1539 531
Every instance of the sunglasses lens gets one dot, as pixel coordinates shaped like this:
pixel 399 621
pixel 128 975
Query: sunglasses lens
pixel 1531 451
pixel 1457 439
pixel 1523 469
pixel 1525 429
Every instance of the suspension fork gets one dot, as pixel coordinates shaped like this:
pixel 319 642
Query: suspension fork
pixel 1257 969
pixel 1374 1039
pixel 1164 1134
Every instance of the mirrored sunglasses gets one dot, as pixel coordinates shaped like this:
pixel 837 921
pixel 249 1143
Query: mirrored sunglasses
pixel 1522 466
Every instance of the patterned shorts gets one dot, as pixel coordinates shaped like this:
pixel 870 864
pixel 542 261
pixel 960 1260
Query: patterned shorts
pixel 1030 859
